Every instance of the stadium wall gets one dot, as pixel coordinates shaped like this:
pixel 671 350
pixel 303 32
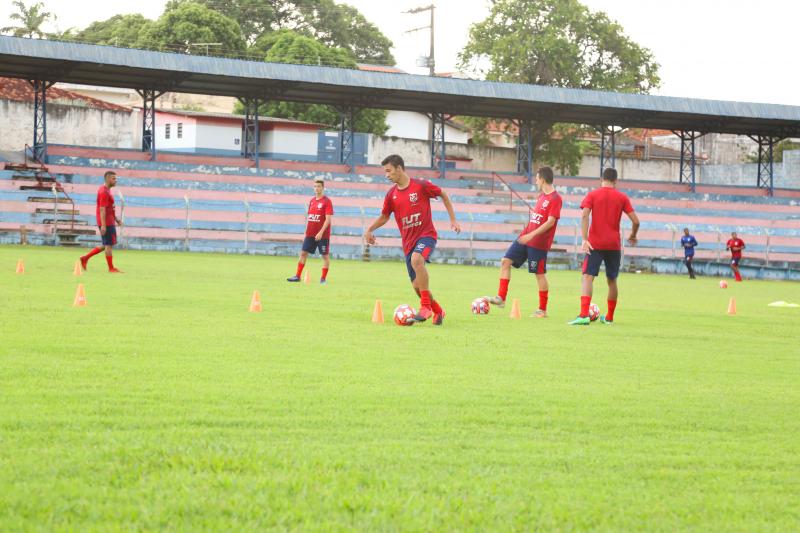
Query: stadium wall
pixel 66 124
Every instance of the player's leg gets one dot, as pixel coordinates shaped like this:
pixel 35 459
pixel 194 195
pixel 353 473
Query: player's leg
pixel 735 268
pixel 109 241
pixel 309 247
pixel 613 258
pixel 418 257
pixel 690 267
pixel 324 250
pixel 515 257
pixel 537 264
pixel 591 268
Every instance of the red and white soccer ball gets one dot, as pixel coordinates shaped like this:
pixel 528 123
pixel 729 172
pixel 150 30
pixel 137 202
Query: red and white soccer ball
pixel 723 284
pixel 480 306
pixel 594 312
pixel 403 315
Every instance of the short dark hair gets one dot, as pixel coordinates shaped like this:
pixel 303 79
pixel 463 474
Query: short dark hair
pixel 546 173
pixel 108 174
pixel 610 174
pixel 320 181
pixel 394 160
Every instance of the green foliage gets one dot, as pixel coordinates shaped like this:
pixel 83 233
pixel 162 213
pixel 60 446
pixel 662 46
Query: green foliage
pixel 165 405
pixel 119 30
pixel 186 23
pixel 290 47
pixel 335 25
pixel 777 151
pixel 558 43
pixel 30 20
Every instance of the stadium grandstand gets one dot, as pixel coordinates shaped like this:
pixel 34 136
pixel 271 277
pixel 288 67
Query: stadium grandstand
pixel 251 204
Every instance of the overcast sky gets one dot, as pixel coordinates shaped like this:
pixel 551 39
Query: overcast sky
pixel 722 49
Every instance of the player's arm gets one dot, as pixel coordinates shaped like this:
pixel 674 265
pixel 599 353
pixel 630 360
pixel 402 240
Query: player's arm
pixel 586 246
pixel 528 237
pixel 102 219
pixel 325 226
pixel 380 221
pixel 632 240
pixel 454 225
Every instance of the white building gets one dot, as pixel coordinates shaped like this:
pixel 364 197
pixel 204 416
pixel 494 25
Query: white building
pixel 221 134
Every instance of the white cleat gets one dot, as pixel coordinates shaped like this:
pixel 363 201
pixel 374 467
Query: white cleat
pixel 539 314
pixel 496 300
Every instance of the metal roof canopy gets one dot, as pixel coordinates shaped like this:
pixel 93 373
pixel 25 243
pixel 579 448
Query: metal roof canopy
pixel 139 69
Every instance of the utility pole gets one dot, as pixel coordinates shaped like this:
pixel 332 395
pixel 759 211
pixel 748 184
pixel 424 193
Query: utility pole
pixel 431 60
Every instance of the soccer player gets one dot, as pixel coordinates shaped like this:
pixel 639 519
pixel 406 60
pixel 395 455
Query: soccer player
pixel 107 222
pixel 318 232
pixel 601 242
pixel 410 201
pixel 688 242
pixel 533 243
pixel 735 245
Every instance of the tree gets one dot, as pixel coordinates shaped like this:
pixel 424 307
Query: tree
pixel 119 30
pixel 30 19
pixel 186 23
pixel 777 151
pixel 558 43
pixel 291 47
pixel 333 24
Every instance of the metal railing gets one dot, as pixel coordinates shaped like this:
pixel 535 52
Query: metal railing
pixel 512 193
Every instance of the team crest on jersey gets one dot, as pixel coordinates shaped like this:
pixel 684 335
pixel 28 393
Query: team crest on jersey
pixel 412 197
pixel 545 203
pixel 319 205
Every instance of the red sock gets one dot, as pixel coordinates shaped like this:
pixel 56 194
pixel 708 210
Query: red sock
pixel 436 307
pixel 612 305
pixel 94 252
pixel 585 302
pixel 502 292
pixel 543 300
pixel 425 298
pixel 737 275
pixel 110 261
pixel 324 273
pixel 300 267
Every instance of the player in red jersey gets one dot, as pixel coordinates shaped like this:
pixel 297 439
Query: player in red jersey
pixel 735 245
pixel 318 232
pixel 533 243
pixel 107 221
pixel 601 242
pixel 410 201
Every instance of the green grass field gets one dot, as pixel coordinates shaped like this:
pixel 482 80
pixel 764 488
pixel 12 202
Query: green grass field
pixel 165 404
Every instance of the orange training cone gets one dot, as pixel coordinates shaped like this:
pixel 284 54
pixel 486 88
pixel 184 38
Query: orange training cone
pixel 77 271
pixel 20 267
pixel 80 297
pixel 306 278
pixel 732 306
pixel 515 312
pixel 255 302
pixel 377 313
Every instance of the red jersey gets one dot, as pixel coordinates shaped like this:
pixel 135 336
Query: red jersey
pixel 607 205
pixel 412 211
pixel 105 200
pixel 735 243
pixel 547 205
pixel 318 213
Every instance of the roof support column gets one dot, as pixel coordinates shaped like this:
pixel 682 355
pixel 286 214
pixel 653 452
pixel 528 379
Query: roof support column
pixel 687 172
pixel 347 119
pixel 766 170
pixel 525 149
pixel 251 138
pixel 438 149
pixel 608 147
pixel 149 120
pixel 39 146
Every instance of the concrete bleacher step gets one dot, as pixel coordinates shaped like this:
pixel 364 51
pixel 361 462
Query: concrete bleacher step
pixel 51 211
pixel 65 220
pixel 46 200
pixel 62 232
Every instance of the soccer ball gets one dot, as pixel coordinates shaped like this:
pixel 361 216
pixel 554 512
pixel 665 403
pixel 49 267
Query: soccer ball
pixel 480 306
pixel 403 315
pixel 723 284
pixel 594 312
